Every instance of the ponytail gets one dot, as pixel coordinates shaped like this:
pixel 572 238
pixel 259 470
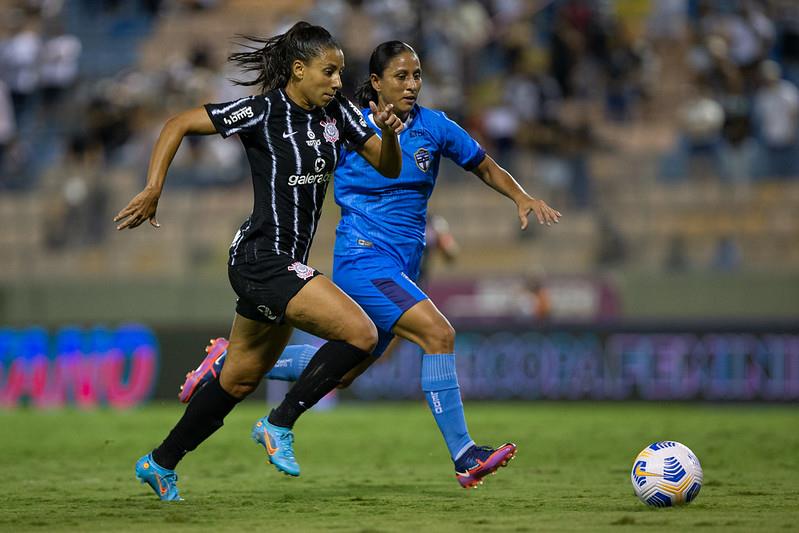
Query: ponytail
pixel 273 58
pixel 365 93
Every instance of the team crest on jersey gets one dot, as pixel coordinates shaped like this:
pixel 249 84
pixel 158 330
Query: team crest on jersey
pixel 330 129
pixel 422 158
pixel 303 272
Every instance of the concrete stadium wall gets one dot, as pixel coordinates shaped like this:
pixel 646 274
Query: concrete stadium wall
pixel 197 302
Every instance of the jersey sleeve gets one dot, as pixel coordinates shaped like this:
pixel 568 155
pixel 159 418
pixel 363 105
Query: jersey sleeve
pixel 458 145
pixel 354 128
pixel 238 116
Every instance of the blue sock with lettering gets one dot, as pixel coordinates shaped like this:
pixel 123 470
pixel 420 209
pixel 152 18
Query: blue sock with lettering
pixel 440 386
pixel 292 362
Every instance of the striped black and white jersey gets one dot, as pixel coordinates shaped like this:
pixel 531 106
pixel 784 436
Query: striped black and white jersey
pixel 292 154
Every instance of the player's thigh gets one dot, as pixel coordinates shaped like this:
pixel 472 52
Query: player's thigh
pixel 324 310
pixel 254 347
pixel 380 286
pixel 426 326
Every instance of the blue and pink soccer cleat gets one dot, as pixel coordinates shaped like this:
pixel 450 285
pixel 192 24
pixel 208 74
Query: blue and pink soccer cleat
pixel 279 445
pixel 209 369
pixel 479 461
pixel 163 481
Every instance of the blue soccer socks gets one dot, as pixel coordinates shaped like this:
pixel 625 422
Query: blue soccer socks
pixel 440 386
pixel 288 367
pixel 292 362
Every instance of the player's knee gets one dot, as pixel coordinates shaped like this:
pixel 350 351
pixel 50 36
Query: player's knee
pixel 240 388
pixel 240 378
pixel 439 338
pixel 363 336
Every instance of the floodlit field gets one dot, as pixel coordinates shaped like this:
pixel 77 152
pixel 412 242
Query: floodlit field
pixel 383 467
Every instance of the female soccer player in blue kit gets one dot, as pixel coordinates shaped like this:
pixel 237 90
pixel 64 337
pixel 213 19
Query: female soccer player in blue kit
pixel 379 244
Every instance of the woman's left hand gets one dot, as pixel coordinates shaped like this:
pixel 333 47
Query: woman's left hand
pixel 386 120
pixel 544 213
pixel 141 208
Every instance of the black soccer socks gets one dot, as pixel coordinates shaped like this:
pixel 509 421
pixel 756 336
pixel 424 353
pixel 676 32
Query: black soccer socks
pixel 203 416
pixel 322 375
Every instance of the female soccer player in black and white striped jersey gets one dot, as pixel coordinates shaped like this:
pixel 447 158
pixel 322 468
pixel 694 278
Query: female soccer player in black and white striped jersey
pixel 292 132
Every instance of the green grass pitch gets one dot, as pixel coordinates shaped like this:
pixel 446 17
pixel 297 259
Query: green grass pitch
pixel 383 467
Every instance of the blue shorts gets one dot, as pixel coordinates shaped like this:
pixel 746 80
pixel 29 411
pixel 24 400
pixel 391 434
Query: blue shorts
pixel 380 286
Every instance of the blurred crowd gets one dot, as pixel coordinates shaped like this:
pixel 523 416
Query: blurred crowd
pixel 742 120
pixel 519 75
pixel 533 80
pixel 75 106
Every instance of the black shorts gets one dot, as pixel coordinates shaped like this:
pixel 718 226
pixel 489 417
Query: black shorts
pixel 264 287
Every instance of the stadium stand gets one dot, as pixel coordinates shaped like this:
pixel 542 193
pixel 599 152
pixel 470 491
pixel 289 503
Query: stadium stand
pixel 649 137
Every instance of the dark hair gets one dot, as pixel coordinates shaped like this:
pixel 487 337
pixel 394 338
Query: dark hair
pixel 273 60
pixel 378 62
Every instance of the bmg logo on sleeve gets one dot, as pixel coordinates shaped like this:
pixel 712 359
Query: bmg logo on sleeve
pixel 244 112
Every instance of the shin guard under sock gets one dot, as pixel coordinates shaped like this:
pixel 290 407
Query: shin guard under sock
pixel 440 386
pixel 204 415
pixel 331 362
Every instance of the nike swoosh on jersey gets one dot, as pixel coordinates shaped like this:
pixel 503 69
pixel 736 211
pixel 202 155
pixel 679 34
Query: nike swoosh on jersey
pixel 286 134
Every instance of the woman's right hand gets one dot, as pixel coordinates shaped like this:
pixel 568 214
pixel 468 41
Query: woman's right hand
pixel 142 207
pixel 195 122
pixel 386 120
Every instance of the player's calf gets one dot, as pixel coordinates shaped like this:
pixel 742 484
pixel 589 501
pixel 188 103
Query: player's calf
pixel 288 367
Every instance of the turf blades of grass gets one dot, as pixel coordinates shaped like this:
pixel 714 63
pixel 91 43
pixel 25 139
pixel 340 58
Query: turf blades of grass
pixel 383 467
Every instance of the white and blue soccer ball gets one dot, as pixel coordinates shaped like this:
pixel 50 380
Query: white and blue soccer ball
pixel 666 474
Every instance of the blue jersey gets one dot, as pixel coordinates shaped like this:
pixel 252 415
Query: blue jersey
pixel 389 215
